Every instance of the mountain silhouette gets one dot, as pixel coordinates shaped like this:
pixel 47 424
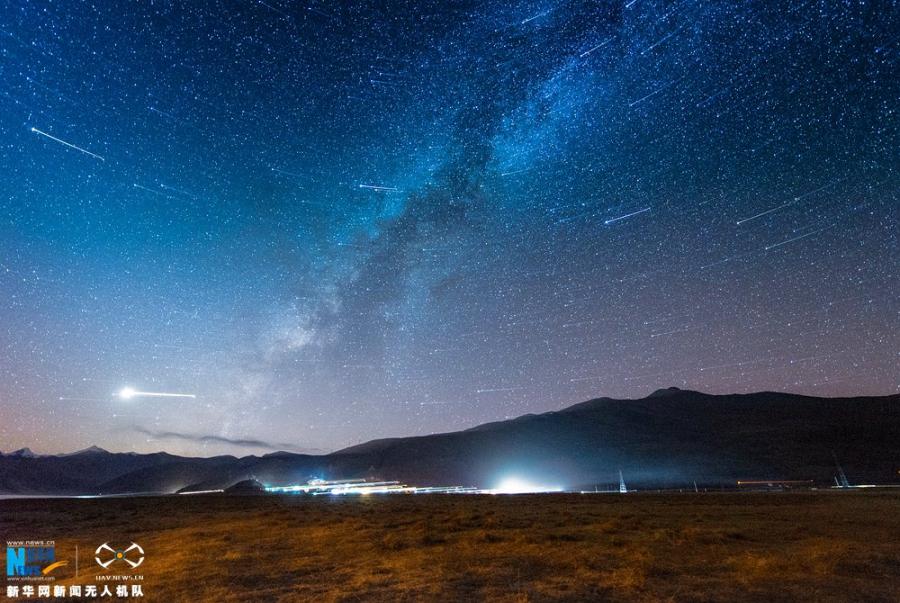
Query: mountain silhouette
pixel 671 438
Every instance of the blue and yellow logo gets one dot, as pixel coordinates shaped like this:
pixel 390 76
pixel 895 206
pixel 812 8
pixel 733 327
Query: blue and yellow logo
pixel 31 560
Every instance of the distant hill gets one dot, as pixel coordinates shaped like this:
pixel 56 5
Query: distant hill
pixel 670 438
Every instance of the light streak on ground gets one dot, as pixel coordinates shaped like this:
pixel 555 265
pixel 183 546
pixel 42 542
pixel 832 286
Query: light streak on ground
pixel 217 491
pixel 515 485
pixel 319 487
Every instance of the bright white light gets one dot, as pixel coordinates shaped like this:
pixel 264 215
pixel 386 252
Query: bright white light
pixel 127 393
pixel 515 485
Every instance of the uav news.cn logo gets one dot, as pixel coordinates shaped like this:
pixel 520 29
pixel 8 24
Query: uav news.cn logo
pixel 105 555
pixel 31 558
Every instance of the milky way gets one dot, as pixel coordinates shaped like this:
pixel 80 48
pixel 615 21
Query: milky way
pixel 331 222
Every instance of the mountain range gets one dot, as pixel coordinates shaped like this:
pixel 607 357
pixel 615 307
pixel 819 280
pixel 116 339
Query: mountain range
pixel 669 439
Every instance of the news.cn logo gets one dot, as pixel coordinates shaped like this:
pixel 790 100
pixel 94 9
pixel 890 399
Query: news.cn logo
pixel 105 555
pixel 32 558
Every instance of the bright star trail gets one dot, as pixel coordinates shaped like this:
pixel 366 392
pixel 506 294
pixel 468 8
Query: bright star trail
pixel 598 46
pixel 389 189
pixel 799 238
pixel 340 222
pixel 68 144
pixel 765 213
pixel 626 216
pixel 127 393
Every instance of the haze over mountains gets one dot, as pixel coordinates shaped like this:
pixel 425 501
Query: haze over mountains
pixel 671 438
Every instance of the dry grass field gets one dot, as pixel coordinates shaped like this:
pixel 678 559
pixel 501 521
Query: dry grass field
pixel 826 546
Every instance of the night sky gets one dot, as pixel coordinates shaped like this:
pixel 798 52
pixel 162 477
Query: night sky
pixel 330 222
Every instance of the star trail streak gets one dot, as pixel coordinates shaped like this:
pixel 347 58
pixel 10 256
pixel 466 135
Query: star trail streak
pixel 127 393
pixel 799 238
pixel 68 144
pixel 626 216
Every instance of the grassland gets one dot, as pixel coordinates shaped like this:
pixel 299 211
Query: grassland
pixel 826 546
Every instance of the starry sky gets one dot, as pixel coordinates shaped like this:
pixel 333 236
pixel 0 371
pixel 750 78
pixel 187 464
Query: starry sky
pixel 331 222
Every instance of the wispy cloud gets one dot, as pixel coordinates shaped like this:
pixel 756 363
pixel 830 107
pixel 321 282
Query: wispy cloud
pixel 217 439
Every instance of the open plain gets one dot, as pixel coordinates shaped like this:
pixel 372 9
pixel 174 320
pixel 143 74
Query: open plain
pixel 800 546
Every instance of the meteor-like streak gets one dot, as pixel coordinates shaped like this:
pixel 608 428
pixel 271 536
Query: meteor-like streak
pixel 67 398
pixel 765 213
pixel 272 8
pixel 661 40
pixel 383 189
pixel 809 234
pixel 68 144
pixel 280 171
pixel 789 203
pixel 634 213
pixel 655 92
pixel 150 190
pixel 537 16
pixel 514 172
pixel 600 45
pixel 127 393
